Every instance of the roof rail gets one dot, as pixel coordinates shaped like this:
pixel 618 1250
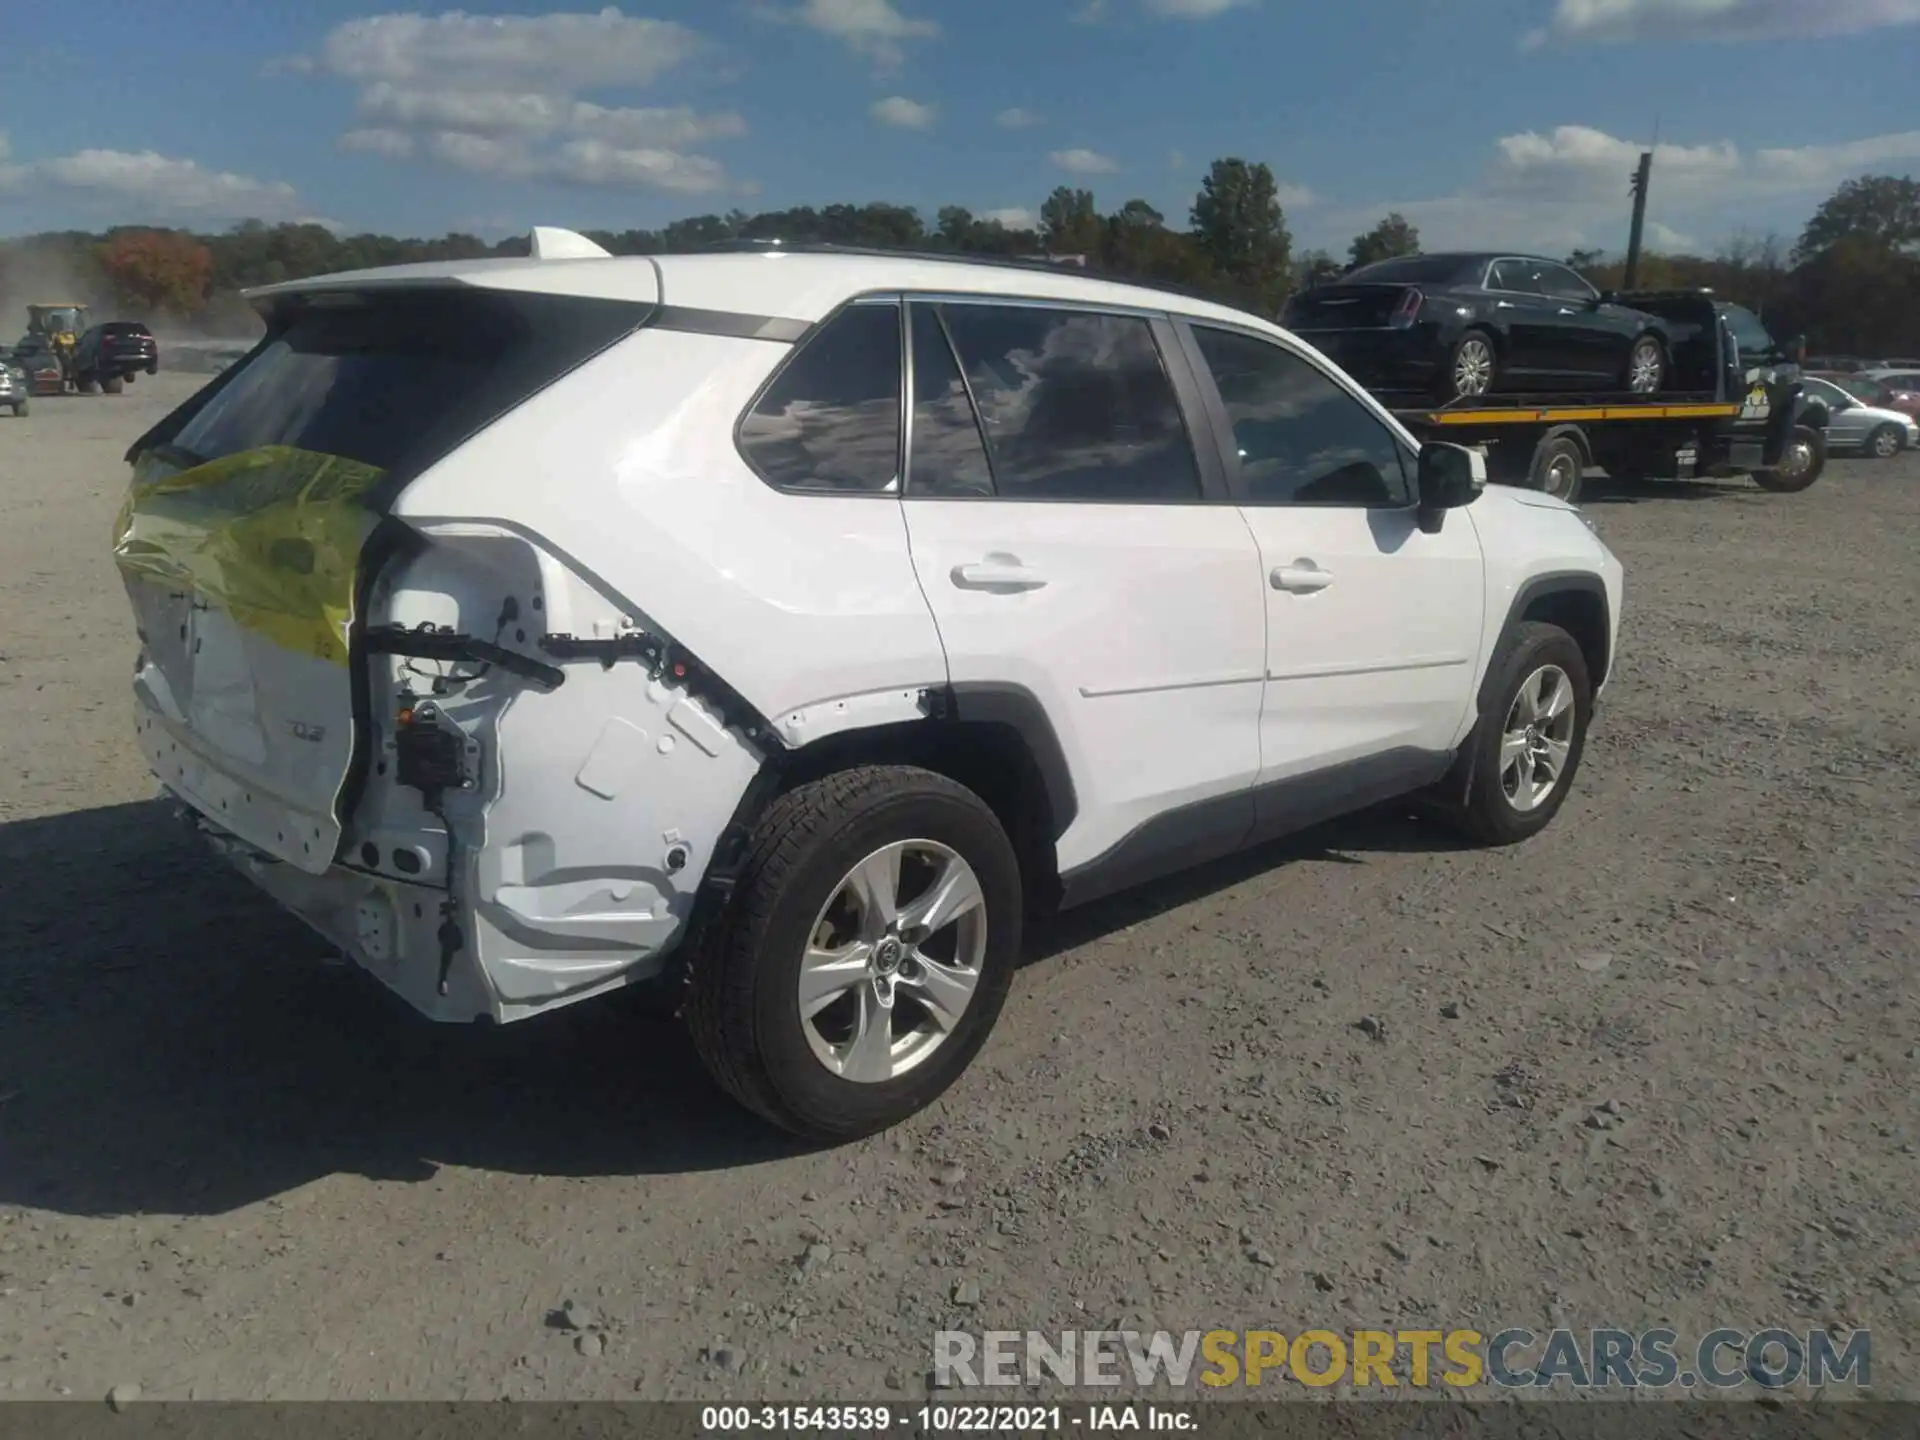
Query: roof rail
pixel 550 242
pixel 1044 263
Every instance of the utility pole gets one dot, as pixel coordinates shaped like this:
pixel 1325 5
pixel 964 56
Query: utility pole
pixel 1642 173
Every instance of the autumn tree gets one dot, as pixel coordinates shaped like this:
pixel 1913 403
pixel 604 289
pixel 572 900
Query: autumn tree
pixel 158 270
pixel 1239 225
pixel 1391 238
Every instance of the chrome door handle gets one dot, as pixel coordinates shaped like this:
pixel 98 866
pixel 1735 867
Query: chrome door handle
pixel 1303 577
pixel 998 575
pixel 1503 305
pixel 1565 311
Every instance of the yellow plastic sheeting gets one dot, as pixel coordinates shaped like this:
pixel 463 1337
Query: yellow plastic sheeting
pixel 271 536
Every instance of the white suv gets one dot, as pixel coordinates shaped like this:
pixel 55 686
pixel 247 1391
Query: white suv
pixel 790 625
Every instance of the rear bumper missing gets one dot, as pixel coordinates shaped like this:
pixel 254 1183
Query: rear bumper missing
pixel 391 929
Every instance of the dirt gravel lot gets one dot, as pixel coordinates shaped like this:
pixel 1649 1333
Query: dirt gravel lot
pixel 1677 1088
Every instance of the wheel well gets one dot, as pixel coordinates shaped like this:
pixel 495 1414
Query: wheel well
pixel 1583 615
pixel 991 758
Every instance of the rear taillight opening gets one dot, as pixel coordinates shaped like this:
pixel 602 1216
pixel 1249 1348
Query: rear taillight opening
pixel 1408 310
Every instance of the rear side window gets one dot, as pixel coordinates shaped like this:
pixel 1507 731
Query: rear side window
pixel 949 456
pixel 1517 276
pixel 831 418
pixel 1300 438
pixel 1074 405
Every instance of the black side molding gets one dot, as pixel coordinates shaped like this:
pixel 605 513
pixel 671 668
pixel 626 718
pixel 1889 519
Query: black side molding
pixel 1021 711
pixel 734 324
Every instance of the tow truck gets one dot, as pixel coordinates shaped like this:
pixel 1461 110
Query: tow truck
pixel 1744 413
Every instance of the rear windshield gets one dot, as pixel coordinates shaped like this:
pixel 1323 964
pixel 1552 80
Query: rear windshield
pixel 396 384
pixel 123 327
pixel 1409 270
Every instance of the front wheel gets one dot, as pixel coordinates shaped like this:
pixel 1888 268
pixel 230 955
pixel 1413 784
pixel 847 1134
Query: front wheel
pixel 1647 366
pixel 1532 731
pixel 1886 442
pixel 1558 466
pixel 864 955
pixel 1801 463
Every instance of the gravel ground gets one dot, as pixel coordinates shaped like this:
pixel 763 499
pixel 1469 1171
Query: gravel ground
pixel 1657 1066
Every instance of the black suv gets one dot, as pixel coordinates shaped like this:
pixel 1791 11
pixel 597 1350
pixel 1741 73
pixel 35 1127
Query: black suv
pixel 112 353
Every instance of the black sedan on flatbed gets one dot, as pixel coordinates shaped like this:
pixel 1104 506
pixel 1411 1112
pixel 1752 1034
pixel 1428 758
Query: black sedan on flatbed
pixel 1460 325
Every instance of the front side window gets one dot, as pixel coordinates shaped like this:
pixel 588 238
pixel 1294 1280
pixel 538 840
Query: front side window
pixel 1748 333
pixel 1301 438
pixel 831 419
pixel 1562 284
pixel 1075 405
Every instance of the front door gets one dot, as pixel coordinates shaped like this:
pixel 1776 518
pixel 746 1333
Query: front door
pixel 1068 544
pixel 1373 626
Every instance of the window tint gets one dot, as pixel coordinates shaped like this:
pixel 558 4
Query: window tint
pixel 1302 439
pixel 1416 270
pixel 1561 283
pixel 361 385
pixel 949 456
pixel 831 418
pixel 1075 406
pixel 1516 275
pixel 1748 333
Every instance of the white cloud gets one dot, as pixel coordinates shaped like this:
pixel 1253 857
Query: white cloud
pixel 501 96
pixel 1614 21
pixel 1091 13
pixel 1295 197
pixel 1193 9
pixel 875 29
pixel 523 53
pixel 151 185
pixel 1014 217
pixel 1176 159
pixel 394 144
pixel 1017 117
pixel 1084 162
pixel 902 113
pixel 594 162
pixel 1567 188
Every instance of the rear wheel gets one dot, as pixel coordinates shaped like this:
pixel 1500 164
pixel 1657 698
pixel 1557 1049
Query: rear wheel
pixel 19 408
pixel 112 385
pixel 1472 367
pixel 1886 442
pixel 864 955
pixel 1558 464
pixel 85 383
pixel 1647 366
pixel 1801 463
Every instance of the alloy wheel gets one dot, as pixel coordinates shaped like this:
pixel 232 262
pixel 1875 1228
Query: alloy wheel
pixel 893 961
pixel 1644 370
pixel 1537 738
pixel 1886 444
pixel 1473 368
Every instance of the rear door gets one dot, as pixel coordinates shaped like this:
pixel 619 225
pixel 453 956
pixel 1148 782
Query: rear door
pixel 1373 625
pixel 1074 544
pixel 241 537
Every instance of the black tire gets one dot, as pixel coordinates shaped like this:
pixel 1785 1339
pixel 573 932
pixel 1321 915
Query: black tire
pixel 19 409
pixel 131 376
pixel 1647 350
pixel 742 998
pixel 1885 443
pixel 1801 474
pixel 1450 378
pixel 153 367
pixel 1558 464
pixel 112 385
pixel 85 384
pixel 1488 814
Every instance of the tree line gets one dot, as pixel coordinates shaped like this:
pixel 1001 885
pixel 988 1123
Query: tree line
pixel 1851 283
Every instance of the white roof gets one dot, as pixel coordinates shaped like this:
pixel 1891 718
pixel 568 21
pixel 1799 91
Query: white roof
pixel 799 285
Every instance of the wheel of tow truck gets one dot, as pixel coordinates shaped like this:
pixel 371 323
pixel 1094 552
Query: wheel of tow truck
pixel 1472 366
pixel 864 954
pixel 1558 465
pixel 84 383
pixel 113 385
pixel 1647 366
pixel 1886 442
pixel 1801 463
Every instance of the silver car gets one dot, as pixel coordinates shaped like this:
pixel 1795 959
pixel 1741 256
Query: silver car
pixel 14 389
pixel 1859 429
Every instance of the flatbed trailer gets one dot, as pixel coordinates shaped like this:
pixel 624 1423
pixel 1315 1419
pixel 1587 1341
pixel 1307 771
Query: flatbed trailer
pixel 1754 420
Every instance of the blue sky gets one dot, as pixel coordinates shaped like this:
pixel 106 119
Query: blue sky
pixel 1508 122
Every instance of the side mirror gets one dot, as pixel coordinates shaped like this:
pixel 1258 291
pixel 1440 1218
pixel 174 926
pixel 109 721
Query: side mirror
pixel 1450 476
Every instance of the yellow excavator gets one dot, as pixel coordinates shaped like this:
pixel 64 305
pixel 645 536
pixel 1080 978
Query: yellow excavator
pixel 60 326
